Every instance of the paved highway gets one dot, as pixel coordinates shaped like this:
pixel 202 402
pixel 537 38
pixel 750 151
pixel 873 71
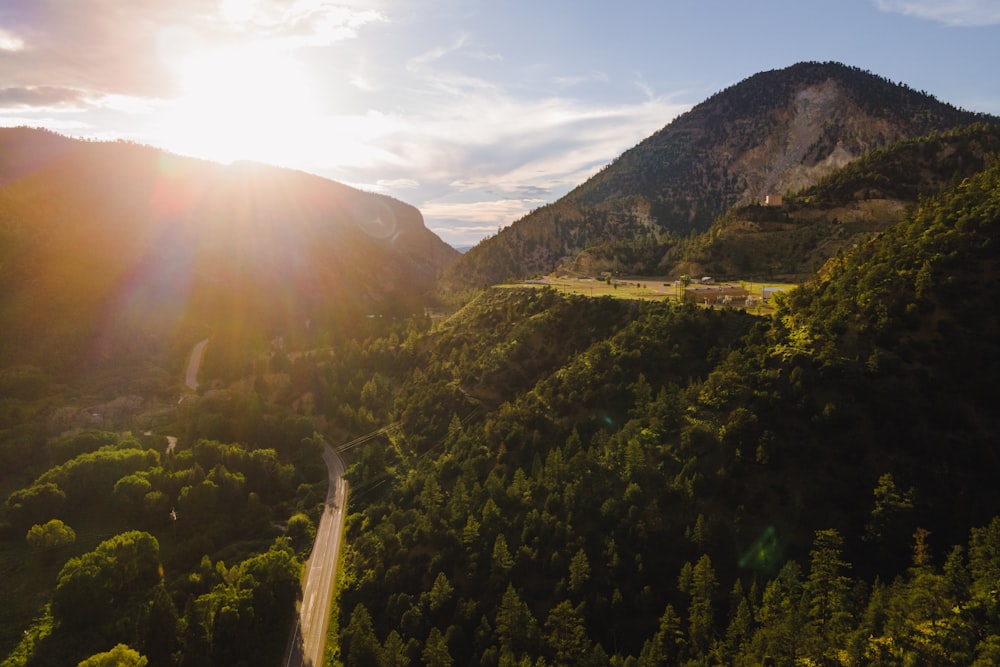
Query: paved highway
pixel 309 636
pixel 305 647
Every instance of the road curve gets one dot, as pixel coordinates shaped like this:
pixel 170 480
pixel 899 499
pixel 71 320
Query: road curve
pixel 309 636
pixel 194 364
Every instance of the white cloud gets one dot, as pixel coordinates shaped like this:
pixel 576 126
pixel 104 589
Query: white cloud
pixel 463 234
pixel 506 143
pixel 127 104
pixel 469 132
pixel 437 127
pixel 963 13
pixel 9 41
pixel 40 97
pixel 397 184
pixel 63 125
pixel 363 82
pixel 486 154
pixel 420 61
pixel 489 214
pixel 110 47
pixel 311 17
pixel 643 85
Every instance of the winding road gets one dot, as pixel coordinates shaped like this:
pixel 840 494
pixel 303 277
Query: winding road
pixel 305 648
pixel 194 364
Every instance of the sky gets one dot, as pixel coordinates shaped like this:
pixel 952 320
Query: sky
pixel 476 112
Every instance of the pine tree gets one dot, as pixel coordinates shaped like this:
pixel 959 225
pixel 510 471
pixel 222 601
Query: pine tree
pixel 440 592
pixel 827 591
pixel 435 653
pixel 394 651
pixel 666 645
pixel 741 624
pixel 501 560
pixel 358 641
pixel 566 634
pixel 579 572
pixel 701 617
pixel 515 626
pixel 781 617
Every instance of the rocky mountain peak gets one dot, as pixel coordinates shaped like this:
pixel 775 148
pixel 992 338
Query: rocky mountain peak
pixel 776 132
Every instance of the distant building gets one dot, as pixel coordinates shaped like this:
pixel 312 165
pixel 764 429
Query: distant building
pixel 729 295
pixel 707 280
pixel 772 200
pixel 769 292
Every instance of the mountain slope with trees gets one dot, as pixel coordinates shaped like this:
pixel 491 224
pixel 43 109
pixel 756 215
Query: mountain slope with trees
pixel 139 247
pixel 774 133
pixel 114 259
pixel 846 207
pixel 564 480
pixel 701 486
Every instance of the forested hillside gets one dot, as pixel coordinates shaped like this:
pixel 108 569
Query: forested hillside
pixel 177 529
pixel 776 132
pixel 698 486
pixel 111 253
pixel 136 511
pixel 863 197
pixel 555 479
pixel 194 552
pixel 571 481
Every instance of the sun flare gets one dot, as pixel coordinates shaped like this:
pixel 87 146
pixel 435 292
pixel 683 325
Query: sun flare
pixel 242 103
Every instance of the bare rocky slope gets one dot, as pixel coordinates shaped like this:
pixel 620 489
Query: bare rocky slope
pixel 774 133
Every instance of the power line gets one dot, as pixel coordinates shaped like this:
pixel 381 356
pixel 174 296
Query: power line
pixel 362 439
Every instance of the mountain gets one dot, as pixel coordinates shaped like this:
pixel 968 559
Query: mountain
pixel 868 195
pixel 115 250
pixel 115 259
pixel 26 149
pixel 773 133
pixel 546 478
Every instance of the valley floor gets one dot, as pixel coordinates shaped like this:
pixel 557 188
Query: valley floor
pixel 659 289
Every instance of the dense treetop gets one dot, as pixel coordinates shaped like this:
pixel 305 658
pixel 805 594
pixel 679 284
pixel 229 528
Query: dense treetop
pixel 816 486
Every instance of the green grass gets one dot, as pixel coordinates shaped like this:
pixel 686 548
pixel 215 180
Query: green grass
pixel 647 289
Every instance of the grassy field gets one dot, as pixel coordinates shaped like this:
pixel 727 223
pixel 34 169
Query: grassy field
pixel 649 289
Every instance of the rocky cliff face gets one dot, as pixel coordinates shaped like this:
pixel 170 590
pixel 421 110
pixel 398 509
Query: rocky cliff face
pixel 798 153
pixel 776 132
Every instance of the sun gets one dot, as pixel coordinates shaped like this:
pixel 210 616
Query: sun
pixel 241 102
